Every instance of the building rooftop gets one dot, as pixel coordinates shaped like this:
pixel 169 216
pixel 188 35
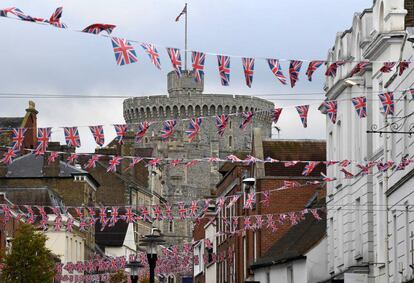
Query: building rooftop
pixel 11 122
pixel 111 236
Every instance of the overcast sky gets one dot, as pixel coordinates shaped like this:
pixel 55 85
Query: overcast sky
pixel 46 60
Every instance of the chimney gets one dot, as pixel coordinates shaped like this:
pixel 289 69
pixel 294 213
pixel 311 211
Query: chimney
pixel 52 169
pixel 30 122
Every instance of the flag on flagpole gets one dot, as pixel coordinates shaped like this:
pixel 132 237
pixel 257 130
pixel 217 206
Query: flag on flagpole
pixel 184 11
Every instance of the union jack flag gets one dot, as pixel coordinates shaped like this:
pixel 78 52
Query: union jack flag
pixel 294 69
pixel 8 156
pixel 249 160
pixel 124 52
pixel 266 198
pixel 348 175
pixel 233 201
pixel 276 69
pixel 276 114
pixel 72 137
pixel 115 161
pixel 157 212
pixel 387 100
pixel 233 158
pixel 175 162
pixel 326 178
pixel 344 163
pixel 271 160
pixel 98 134
pixel 402 66
pixel 198 59
pixel 193 208
pixel 133 162
pixel 250 201
pixel 361 66
pixel 141 131
pixel 247 223
pixel 309 167
pixel 152 52
pixel 247 118
pixel 303 114
pixel 56 15
pixel 168 129
pixel 221 123
pixel 290 163
pixel 72 158
pixel 18 138
pixel 315 214
pixel 154 162
pixel 182 211
pixel 175 57
pixel 121 131
pixel 224 69
pixel 331 109
pixel 43 136
pixel 98 28
pixel 191 163
pixel 360 104
pixel 52 157
pixel 129 215
pixel 387 67
pixel 92 161
pixel 248 67
pixel 313 66
pixel 333 68
pixel 194 128
pixel 365 169
pixel 18 13
pixel 291 184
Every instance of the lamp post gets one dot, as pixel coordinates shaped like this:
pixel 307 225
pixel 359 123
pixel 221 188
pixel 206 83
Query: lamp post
pixel 151 242
pixel 133 266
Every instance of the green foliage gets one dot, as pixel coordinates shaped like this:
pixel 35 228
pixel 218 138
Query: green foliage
pixel 118 277
pixel 29 260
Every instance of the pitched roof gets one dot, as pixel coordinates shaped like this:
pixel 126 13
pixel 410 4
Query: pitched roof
pixel 296 242
pixel 11 122
pixel 32 195
pixel 288 150
pixel 111 236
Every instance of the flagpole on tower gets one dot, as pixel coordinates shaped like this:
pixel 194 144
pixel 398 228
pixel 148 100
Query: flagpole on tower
pixel 185 43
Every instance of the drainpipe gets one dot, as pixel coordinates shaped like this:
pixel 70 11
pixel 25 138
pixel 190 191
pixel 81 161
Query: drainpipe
pixel 387 265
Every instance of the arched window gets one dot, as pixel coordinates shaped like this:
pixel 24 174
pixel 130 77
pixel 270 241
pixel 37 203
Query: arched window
pixel 219 110
pixel 205 110
pixel 142 115
pixel 234 109
pixel 148 110
pixel 154 112
pixel 212 110
pixel 175 111
pixel 182 111
pixel 226 109
pixel 190 111
pixel 197 110
pixel 161 111
pixel 167 111
pixel 240 109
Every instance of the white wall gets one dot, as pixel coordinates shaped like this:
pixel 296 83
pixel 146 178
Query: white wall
pixel 211 270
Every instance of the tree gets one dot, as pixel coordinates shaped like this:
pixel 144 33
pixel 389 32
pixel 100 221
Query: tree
pixel 118 277
pixel 29 259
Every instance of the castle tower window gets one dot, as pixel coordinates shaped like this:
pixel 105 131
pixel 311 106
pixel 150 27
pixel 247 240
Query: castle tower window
pixel 190 111
pixel 234 109
pixel 182 111
pixel 219 110
pixel 171 226
pixel 175 111
pixel 212 110
pixel 230 141
pixel 197 110
pixel 226 109
pixel 205 110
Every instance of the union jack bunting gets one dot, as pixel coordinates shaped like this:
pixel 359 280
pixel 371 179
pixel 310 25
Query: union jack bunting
pixel 402 66
pixel 290 163
pixel 194 128
pixel 120 132
pixel 246 119
pixel 360 104
pixel 248 67
pixel 291 184
pixel 56 15
pixel 72 137
pixel 224 69
pixel 387 67
pixel 18 13
pixel 154 162
pixel 250 160
pixel 266 199
pixel 294 69
pixel 331 109
pixel 276 69
pixel 198 59
pixel 182 211
pixel 221 123
pixel 250 201
pixel 276 114
pixel 72 158
pixel 271 160
pixel 92 161
pixel 141 131
pixel 8 156
pixel 133 162
pixel 303 114
pixel 344 163
pixel 348 175
pixel 43 136
pixel 193 209
pixel 313 66
pixel 191 163
pixel 52 157
pixel 175 57
pixel 326 178
pixel 152 52
pixel 98 28
pixel 233 158
pixel 309 167
pixel 365 170
pixel 315 214
pixel 168 129
pixel 332 68
pixel 361 66
pixel 18 138
pixel 175 162
pixel 129 215
pixel 233 201
pixel 124 52
pixel 247 223
pixel 387 100
pixel 115 161
pixel 98 134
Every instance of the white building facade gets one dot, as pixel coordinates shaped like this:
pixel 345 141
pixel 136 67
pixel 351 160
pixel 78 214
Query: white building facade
pixel 369 222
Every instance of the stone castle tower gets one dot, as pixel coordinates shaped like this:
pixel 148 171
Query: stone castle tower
pixel 186 100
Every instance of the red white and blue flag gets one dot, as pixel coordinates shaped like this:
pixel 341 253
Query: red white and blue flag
pixel 250 201
pixel 168 128
pixel 387 67
pixel 198 59
pixel 152 52
pixel 73 157
pixel 55 18
pixel 194 128
pixel 92 161
pixel 72 137
pixel 246 119
pixel 303 114
pixel 276 69
pixel 175 57
pixel 331 109
pixel 294 69
pixel 141 131
pixel 313 66
pixel 276 114
pixel 387 100
pixel 17 12
pixel 224 69
pixel 121 130
pixel 333 68
pixel 361 66
pixel 113 163
pixel 8 156
pixel 360 104
pixel 221 123
pixel 18 138
pixel 402 66
pixel 98 28
pixel 309 167
pixel 52 157
pixel 124 52
pixel 43 136
pixel 98 134
pixel 248 67
pixel 133 162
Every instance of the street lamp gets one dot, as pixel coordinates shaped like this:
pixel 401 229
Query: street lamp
pixel 151 242
pixel 133 266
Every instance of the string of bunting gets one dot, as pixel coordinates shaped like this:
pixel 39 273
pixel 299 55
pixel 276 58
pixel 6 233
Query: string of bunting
pixel 125 54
